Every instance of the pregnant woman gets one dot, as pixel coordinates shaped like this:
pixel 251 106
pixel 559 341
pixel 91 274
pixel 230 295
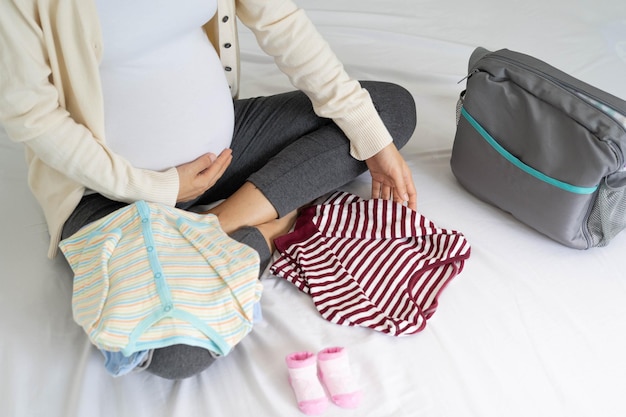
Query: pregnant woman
pixel 117 101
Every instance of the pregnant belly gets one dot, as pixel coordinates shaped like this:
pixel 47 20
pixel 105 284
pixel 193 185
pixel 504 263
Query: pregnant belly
pixel 169 105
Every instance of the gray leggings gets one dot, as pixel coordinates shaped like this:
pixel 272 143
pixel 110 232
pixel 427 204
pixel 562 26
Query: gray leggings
pixel 292 156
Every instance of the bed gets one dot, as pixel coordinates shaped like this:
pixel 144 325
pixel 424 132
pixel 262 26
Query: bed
pixel 529 327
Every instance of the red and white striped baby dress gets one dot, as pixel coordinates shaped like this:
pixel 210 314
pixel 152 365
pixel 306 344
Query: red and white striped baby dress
pixel 370 263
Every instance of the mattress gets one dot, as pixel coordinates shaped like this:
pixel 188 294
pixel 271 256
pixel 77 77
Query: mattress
pixel 528 328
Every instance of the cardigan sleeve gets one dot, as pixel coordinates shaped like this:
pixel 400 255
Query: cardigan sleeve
pixel 45 104
pixel 286 33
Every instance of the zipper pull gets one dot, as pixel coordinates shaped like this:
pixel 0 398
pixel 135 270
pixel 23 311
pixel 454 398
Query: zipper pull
pixel 474 71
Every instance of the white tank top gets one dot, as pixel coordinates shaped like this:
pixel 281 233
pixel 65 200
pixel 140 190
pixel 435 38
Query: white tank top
pixel 166 98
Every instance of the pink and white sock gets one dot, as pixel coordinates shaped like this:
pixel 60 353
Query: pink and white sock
pixel 309 392
pixel 334 371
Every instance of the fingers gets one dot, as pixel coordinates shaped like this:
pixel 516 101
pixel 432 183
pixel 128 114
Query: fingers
pixel 203 162
pixel 197 176
pixel 382 190
pixel 402 191
pixel 214 171
pixel 391 177
pixel 376 189
pixel 405 192
pixel 412 197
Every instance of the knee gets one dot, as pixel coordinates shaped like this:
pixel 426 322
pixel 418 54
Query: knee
pixel 179 361
pixel 396 107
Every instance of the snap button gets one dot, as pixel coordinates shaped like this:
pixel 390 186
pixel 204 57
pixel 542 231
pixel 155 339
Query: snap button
pixel 167 308
pixel 149 248
pixel 158 275
pixel 227 45
pixel 144 220
pixel 228 69
pixel 225 19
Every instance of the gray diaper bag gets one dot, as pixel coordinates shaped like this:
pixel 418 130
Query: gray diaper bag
pixel 543 146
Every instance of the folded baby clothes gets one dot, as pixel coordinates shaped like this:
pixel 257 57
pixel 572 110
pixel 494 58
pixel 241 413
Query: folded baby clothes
pixel 117 364
pixel 370 263
pixel 150 276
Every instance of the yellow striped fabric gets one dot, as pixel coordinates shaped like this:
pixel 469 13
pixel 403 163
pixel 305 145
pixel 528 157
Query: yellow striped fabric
pixel 150 276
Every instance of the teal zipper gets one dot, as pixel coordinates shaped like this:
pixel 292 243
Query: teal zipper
pixel 515 161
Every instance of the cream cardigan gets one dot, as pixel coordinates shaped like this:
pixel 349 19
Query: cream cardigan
pixel 51 99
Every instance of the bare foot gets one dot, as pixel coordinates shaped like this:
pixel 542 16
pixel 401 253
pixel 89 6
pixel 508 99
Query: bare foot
pixel 246 207
pixel 276 228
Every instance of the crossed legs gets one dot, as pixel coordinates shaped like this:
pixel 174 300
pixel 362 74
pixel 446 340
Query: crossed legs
pixel 284 156
pixel 248 207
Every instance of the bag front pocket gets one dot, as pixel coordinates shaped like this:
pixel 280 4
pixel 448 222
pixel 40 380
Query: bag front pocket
pixel 484 167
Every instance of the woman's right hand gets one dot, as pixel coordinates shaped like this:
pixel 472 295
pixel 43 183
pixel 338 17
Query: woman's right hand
pixel 199 175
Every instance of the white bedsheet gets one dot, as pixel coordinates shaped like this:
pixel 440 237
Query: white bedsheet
pixel 529 328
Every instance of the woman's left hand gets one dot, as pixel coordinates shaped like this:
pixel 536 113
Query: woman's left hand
pixel 391 177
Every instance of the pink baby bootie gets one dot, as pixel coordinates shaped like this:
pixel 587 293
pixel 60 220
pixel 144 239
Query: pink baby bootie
pixel 303 379
pixel 334 371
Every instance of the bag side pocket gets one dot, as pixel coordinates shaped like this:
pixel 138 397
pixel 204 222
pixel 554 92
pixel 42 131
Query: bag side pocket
pixel 608 215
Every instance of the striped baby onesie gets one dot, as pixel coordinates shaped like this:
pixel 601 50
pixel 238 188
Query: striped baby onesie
pixel 370 263
pixel 149 276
